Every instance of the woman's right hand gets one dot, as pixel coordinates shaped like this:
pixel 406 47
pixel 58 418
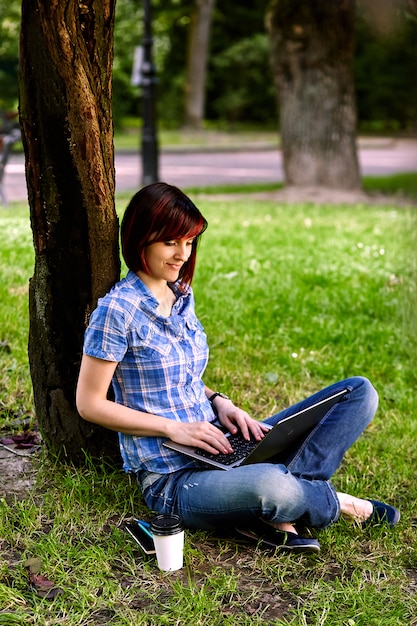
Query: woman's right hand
pixel 200 435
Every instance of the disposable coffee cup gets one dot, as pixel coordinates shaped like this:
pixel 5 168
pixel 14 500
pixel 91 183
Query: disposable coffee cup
pixel 168 537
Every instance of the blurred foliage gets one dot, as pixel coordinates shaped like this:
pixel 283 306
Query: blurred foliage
pixel 239 86
pixel 127 35
pixel 236 100
pixel 9 48
pixel 386 74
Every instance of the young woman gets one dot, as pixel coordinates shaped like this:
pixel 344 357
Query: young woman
pixel 145 339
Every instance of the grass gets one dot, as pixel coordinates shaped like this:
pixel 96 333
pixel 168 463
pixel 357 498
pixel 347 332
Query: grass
pixel 406 184
pixel 292 298
pixel 129 137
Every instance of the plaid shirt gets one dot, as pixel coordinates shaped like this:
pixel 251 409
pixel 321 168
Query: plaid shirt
pixel 161 361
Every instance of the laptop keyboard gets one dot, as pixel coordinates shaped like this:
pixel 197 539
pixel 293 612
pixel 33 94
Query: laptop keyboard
pixel 241 449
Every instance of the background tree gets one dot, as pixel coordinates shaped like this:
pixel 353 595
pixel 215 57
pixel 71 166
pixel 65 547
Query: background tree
pixel 65 114
pixel 312 47
pixel 197 58
pixel 239 86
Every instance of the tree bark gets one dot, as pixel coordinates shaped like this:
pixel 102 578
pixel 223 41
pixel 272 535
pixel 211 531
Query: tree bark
pixel 197 57
pixel 66 56
pixel 312 44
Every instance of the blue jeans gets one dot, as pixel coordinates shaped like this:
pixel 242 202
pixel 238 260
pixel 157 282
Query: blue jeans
pixel 290 488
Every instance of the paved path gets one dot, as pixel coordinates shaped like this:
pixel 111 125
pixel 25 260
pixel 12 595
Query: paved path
pixel 378 157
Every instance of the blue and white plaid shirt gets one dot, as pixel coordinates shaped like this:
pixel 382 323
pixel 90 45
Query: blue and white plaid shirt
pixel 161 361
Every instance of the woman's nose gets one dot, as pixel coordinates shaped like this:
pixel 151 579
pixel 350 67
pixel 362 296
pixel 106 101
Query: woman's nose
pixel 183 251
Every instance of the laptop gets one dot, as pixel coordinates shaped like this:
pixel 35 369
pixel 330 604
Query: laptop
pixel 279 438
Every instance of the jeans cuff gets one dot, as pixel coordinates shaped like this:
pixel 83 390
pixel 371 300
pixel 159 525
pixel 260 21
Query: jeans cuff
pixel 333 499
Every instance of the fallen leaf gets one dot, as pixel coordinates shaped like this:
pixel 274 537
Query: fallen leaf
pixel 26 440
pixel 44 588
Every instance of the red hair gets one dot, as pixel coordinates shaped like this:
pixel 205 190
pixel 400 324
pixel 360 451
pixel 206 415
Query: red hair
pixel 160 212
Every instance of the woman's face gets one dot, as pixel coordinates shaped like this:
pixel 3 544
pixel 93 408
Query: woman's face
pixel 166 258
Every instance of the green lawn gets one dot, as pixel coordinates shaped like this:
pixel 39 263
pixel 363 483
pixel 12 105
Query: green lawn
pixel 292 298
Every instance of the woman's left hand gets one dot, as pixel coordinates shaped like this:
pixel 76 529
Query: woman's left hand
pixel 233 418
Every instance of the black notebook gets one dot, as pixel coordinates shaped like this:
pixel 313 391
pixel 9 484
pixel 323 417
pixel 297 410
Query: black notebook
pixel 142 538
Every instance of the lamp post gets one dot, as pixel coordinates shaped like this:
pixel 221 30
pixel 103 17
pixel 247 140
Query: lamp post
pixel 149 135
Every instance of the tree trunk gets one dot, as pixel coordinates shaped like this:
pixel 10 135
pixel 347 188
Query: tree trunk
pixel 312 57
pixel 65 114
pixel 198 49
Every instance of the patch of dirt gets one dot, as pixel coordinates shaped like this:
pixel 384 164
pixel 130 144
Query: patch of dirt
pixel 17 471
pixel 254 595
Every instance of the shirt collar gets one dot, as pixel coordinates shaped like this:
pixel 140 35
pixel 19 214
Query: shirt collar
pixel 147 295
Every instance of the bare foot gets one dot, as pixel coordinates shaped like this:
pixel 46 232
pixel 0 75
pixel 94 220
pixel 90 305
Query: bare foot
pixel 356 508
pixel 284 526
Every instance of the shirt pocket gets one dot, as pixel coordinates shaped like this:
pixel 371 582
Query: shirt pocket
pixel 148 345
pixel 196 333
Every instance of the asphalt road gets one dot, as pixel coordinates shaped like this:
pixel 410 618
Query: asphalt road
pixel 377 157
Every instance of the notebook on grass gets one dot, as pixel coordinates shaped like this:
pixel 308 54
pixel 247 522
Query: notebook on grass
pixel 276 440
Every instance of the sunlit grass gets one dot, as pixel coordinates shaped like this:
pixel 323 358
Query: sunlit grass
pixel 16 254
pixel 292 298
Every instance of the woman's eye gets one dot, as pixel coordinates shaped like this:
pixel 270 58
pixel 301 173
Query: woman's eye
pixel 174 243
